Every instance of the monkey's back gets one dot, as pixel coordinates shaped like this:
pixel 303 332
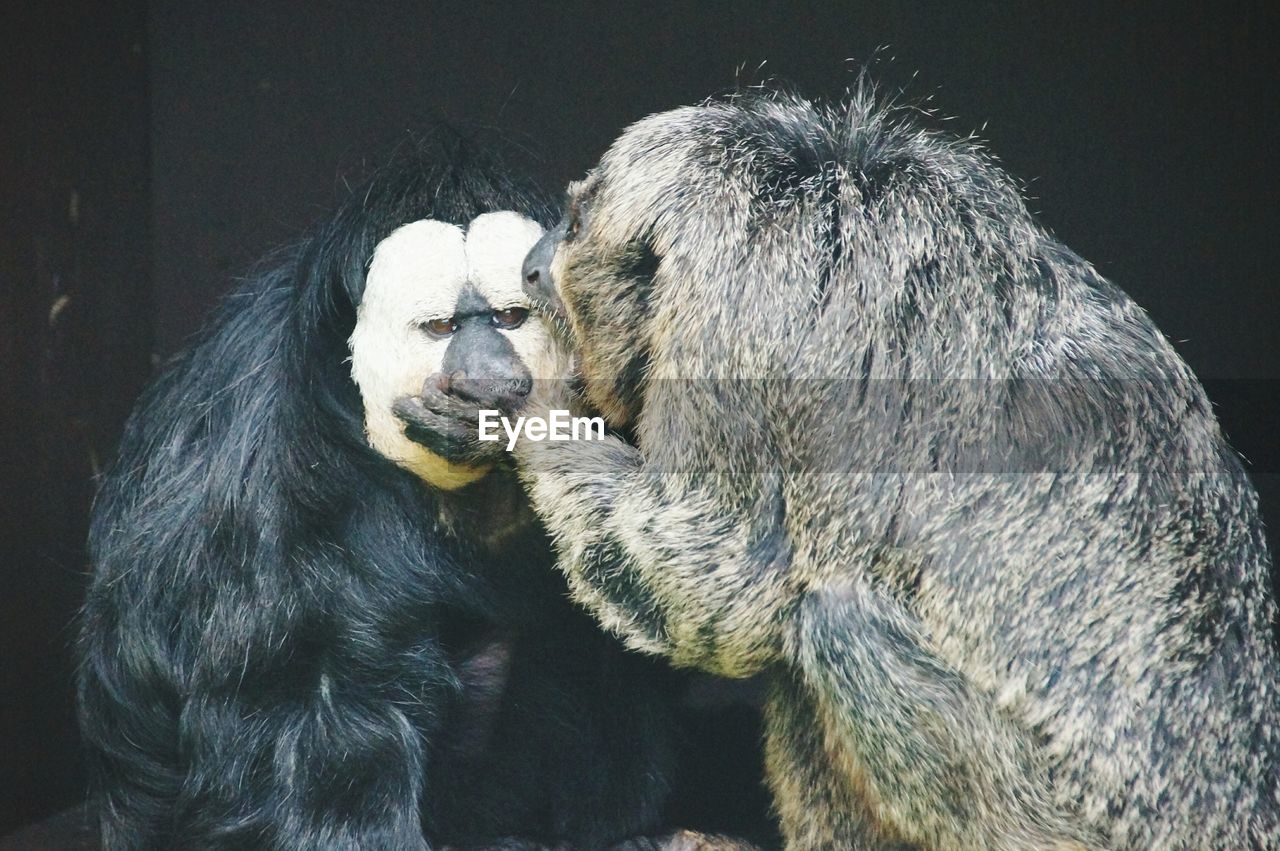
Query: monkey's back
pixel 943 392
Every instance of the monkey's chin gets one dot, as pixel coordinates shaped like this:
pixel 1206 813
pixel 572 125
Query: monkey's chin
pixel 438 472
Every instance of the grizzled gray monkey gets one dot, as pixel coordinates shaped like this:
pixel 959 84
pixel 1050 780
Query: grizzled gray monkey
pixel 902 451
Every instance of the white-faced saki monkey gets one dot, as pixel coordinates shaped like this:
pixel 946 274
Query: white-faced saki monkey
pixel 306 631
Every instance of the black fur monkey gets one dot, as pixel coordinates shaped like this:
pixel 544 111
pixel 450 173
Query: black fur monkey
pixel 290 642
pixel 903 451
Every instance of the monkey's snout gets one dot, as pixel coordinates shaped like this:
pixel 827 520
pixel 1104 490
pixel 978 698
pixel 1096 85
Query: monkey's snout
pixel 536 270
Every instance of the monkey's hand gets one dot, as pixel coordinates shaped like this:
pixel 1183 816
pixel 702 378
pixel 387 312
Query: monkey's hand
pixel 446 424
pixel 510 843
pixel 668 567
pixel 681 840
pixel 685 840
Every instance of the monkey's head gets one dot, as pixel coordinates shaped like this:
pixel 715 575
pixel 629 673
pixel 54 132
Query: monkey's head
pixel 444 300
pixel 649 219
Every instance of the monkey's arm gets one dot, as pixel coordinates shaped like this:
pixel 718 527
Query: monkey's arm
pixel 667 568
pixel 675 574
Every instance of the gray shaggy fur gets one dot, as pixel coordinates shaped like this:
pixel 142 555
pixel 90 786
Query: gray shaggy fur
pixel 904 452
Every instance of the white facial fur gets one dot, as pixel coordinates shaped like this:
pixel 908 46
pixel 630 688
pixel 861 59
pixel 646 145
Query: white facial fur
pixel 417 274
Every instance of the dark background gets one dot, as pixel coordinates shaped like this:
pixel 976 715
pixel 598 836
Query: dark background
pixel 150 154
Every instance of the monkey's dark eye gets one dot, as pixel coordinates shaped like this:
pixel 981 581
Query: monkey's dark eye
pixel 512 317
pixel 440 327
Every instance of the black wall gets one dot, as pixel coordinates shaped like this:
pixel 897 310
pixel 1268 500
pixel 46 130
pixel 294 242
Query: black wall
pixel 75 337
pixel 1147 139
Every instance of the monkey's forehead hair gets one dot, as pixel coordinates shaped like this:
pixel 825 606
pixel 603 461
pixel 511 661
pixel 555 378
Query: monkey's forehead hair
pixel 446 176
pixel 778 148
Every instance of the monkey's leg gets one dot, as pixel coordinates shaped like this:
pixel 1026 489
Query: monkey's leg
pixel 818 808
pixel 276 744
pixel 937 762
pixel 670 571
pixel 341 770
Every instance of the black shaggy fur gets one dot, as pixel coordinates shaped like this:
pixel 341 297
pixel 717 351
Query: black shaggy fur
pixel 291 643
